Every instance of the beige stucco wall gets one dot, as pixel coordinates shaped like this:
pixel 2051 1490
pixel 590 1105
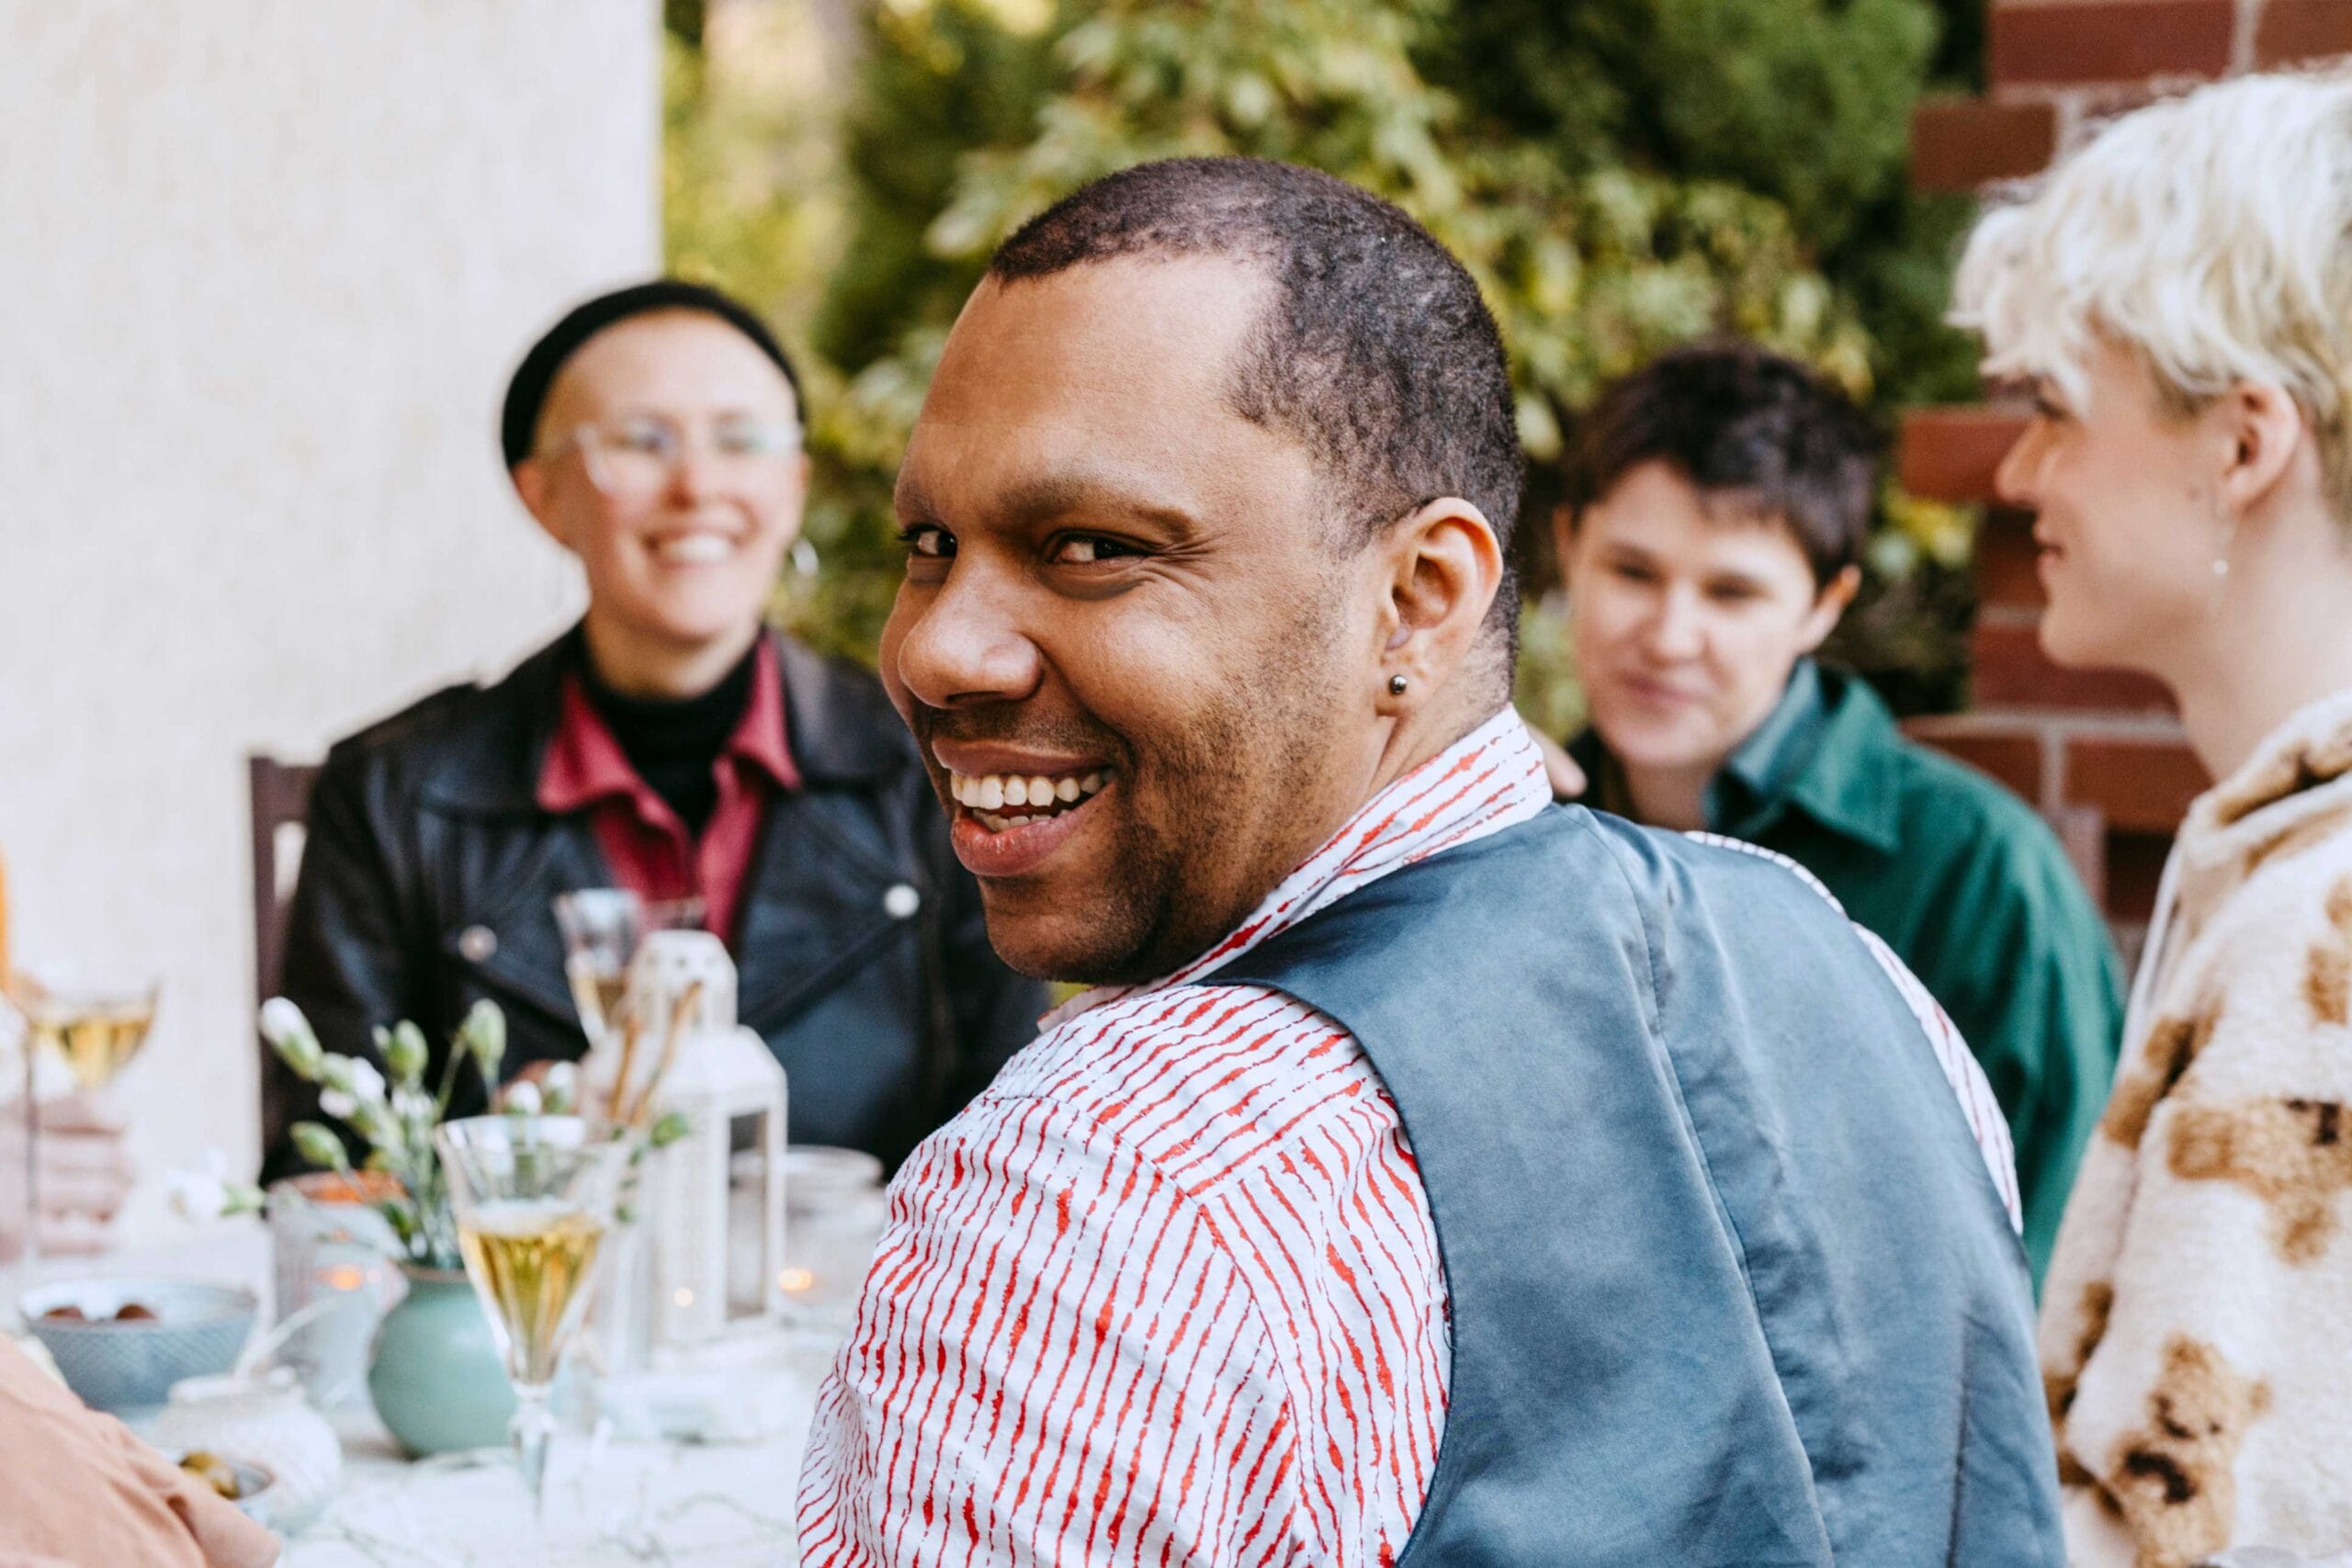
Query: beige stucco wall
pixel 263 266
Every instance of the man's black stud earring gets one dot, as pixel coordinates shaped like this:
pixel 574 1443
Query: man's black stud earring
pixel 1397 684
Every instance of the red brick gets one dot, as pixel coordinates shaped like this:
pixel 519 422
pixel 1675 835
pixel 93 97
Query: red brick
pixel 2295 31
pixel 2107 41
pixel 1949 453
pixel 2142 785
pixel 2006 574
pixel 1962 143
pixel 2011 670
pixel 2009 752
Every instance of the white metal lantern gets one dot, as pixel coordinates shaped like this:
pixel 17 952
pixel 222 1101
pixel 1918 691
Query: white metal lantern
pixel 708 1210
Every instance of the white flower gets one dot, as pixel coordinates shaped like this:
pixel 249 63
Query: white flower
pixel 366 1082
pixel 412 1105
pixel 282 1021
pixel 289 1035
pixel 523 1098
pixel 207 1193
pixel 337 1104
pixel 200 1194
pixel 563 1086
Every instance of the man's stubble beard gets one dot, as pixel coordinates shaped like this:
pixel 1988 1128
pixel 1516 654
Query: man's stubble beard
pixel 1175 896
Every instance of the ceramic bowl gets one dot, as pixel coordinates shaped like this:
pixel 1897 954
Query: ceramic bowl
pixel 257 1489
pixel 197 1331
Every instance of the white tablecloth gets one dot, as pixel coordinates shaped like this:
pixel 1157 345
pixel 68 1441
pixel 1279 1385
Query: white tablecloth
pixel 714 1507
pixel 608 1503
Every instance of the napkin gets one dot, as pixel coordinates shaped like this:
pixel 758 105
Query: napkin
pixel 76 1487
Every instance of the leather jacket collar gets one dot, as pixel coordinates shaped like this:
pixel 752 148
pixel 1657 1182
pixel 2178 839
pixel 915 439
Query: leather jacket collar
pixel 831 725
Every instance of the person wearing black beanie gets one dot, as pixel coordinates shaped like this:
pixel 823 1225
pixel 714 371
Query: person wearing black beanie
pixel 670 744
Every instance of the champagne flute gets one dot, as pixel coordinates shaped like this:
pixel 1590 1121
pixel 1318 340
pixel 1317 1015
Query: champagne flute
pixel 532 1197
pixel 601 927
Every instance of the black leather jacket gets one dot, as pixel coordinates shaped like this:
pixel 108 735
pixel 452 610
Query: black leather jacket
pixel 429 872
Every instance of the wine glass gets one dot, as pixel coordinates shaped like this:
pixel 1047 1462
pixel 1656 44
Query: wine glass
pixel 602 928
pixel 94 1027
pixel 534 1198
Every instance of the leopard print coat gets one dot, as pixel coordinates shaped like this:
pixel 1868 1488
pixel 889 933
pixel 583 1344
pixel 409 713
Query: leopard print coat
pixel 2196 1320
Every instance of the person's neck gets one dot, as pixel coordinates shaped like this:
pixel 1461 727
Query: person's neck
pixel 644 667
pixel 2280 641
pixel 1670 797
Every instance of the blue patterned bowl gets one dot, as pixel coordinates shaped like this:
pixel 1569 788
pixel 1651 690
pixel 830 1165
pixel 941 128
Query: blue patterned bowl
pixel 197 1332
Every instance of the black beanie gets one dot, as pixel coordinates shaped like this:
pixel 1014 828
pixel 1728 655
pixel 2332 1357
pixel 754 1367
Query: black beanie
pixel 527 394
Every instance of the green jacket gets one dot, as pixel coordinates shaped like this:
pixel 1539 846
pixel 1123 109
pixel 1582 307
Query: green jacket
pixel 1958 876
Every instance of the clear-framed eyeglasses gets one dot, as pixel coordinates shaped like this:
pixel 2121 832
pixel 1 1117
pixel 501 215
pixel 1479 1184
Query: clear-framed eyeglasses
pixel 635 456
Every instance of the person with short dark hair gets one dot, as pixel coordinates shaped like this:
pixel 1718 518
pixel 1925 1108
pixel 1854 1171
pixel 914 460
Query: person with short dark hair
pixel 1429 1172
pixel 1719 501
pixel 670 744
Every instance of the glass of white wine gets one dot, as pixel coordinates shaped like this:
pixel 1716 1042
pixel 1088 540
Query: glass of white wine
pixel 534 1198
pixel 95 1028
pixel 601 927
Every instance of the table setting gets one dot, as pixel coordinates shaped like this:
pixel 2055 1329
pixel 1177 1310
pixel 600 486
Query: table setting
pixel 585 1327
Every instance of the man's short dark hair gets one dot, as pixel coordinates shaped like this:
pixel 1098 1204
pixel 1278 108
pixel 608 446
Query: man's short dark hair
pixel 1377 353
pixel 1738 422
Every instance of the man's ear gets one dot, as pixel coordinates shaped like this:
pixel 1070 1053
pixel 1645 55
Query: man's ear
pixel 2263 425
pixel 1445 565
pixel 1829 607
pixel 531 483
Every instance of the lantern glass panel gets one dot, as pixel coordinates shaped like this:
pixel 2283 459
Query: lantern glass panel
pixel 750 1269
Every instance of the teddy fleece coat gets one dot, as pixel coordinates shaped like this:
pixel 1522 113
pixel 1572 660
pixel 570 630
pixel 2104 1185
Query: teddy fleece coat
pixel 2196 1337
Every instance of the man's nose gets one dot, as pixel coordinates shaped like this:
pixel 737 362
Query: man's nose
pixel 1676 628
pixel 2018 482
pixel 691 474
pixel 966 646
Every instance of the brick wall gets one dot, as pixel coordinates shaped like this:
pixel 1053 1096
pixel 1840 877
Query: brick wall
pixel 2098 752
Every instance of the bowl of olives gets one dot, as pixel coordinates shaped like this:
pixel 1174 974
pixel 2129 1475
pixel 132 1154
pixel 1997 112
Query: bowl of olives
pixel 241 1482
pixel 121 1344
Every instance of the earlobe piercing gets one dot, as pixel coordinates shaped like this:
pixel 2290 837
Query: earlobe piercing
pixel 1397 684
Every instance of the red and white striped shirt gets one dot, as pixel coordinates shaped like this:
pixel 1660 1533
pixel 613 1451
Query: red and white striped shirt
pixel 1168 1290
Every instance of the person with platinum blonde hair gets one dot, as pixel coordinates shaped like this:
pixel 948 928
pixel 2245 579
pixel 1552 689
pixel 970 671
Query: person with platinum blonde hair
pixel 2178 296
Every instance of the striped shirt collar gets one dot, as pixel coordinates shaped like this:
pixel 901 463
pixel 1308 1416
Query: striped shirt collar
pixel 1490 779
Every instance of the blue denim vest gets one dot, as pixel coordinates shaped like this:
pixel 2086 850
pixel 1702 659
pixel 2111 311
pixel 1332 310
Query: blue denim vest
pixel 1730 1285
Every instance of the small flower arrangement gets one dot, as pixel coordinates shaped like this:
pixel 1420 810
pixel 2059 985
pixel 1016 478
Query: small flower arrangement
pixel 395 1117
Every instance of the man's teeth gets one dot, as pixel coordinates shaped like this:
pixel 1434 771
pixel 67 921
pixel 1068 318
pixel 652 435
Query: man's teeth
pixel 989 793
pixel 695 549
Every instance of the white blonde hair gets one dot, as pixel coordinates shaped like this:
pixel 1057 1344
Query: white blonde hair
pixel 2210 232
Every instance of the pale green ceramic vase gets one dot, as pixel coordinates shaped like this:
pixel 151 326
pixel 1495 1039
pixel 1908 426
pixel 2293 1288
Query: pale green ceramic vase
pixel 436 1377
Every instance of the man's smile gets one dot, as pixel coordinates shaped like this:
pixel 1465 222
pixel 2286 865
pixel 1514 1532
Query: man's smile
pixel 1014 807
pixel 1013 800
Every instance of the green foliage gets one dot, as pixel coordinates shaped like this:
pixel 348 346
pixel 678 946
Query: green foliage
pixel 1619 175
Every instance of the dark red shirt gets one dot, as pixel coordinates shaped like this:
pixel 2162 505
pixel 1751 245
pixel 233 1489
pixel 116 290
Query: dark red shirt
pixel 651 852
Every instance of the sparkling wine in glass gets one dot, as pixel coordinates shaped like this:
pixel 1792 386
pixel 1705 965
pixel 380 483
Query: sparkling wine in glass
pixel 532 1258
pixel 95 1032
pixel 95 1029
pixel 602 928
pixel 532 1197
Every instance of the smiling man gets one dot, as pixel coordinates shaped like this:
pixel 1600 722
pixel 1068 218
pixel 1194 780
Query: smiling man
pixel 1429 1172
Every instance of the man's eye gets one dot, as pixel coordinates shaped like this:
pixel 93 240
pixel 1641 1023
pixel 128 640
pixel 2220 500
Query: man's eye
pixel 753 440
pixel 927 541
pixel 1086 550
pixel 1630 572
pixel 650 440
pixel 1731 593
